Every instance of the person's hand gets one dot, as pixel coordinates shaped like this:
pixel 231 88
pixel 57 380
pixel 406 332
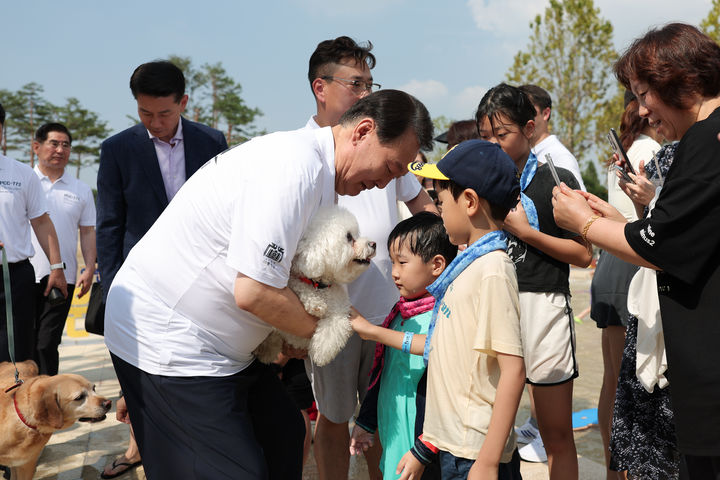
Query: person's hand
pixel 602 208
pixel 56 279
pixel 642 191
pixel 84 282
pixel 570 208
pixel 516 221
pixel 483 471
pixel 121 412
pixel 361 325
pixel 293 352
pixel 409 467
pixel 360 440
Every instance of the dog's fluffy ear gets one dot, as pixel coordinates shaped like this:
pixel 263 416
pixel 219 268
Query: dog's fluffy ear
pixel 47 406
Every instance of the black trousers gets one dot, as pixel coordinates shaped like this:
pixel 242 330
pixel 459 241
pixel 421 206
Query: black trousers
pixel 699 468
pixel 22 284
pixel 49 325
pixel 244 426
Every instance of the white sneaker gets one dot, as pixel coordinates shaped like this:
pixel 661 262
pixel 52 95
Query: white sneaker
pixel 526 433
pixel 534 451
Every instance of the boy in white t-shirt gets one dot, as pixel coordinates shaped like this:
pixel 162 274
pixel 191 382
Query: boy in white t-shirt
pixel 476 371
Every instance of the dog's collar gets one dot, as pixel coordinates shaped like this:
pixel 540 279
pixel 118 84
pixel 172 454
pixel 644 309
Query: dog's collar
pixel 20 415
pixel 314 283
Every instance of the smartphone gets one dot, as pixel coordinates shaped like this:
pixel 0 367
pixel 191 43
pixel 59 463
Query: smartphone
pixel 548 160
pixel 623 173
pixel 618 148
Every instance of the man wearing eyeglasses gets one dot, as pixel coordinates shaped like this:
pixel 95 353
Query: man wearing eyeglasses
pixel 72 209
pixel 339 75
pixel 23 208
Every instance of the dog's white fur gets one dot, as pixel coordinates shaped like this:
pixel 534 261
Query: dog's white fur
pixel 47 403
pixel 329 252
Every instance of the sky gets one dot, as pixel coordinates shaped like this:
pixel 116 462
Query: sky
pixel 445 53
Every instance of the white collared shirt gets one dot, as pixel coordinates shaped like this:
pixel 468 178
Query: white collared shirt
pixel 71 205
pixel 21 200
pixel 171 308
pixel 171 158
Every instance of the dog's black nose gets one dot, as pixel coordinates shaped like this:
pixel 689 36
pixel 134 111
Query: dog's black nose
pixel 372 245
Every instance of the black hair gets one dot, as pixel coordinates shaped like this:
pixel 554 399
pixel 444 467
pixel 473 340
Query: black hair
pixel 334 51
pixel 497 212
pixel 538 96
pixel 425 236
pixel 393 112
pixel 506 100
pixel 2 115
pixel 160 78
pixel 41 134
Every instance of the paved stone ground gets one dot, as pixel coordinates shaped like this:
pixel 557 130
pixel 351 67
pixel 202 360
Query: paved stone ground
pixel 81 451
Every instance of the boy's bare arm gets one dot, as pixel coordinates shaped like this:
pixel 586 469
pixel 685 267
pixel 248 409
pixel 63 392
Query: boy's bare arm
pixel 507 398
pixel 386 336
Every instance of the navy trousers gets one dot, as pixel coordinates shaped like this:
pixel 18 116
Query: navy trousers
pixel 244 426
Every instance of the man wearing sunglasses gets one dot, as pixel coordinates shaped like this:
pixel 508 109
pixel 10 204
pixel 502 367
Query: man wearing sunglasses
pixel 339 75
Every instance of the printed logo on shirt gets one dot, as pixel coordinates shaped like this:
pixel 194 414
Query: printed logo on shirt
pixel 647 236
pixel 10 185
pixel 274 253
pixel 70 198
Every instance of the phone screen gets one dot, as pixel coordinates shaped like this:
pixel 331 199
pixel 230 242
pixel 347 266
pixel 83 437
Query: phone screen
pixel 618 148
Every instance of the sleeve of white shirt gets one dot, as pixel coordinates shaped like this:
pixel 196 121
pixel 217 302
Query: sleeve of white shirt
pixel 268 218
pixel 88 214
pixel 36 201
pixel 407 187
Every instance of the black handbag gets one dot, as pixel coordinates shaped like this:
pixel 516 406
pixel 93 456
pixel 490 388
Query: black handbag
pixel 95 316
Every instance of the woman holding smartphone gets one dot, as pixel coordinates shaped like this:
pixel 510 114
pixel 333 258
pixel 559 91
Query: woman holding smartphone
pixel 674 72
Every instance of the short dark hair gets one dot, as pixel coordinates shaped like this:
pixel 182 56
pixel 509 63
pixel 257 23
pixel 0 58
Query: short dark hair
pixel 677 61
pixel 334 51
pixel 538 96
pixel 425 236
pixel 394 112
pixel 160 78
pixel 2 115
pixel 504 99
pixel 461 131
pixel 41 134
pixel 496 211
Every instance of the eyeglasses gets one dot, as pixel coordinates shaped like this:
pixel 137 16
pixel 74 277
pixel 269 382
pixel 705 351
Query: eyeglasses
pixel 357 86
pixel 55 144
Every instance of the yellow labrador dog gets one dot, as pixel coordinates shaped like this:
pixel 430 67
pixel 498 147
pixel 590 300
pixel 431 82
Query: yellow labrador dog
pixel 30 413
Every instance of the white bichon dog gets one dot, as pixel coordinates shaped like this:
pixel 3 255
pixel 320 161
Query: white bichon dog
pixel 328 255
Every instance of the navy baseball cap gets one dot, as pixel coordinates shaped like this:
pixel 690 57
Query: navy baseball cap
pixel 480 165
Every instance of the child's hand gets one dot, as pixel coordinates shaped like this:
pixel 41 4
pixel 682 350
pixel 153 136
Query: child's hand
pixel 360 324
pixel 481 471
pixel 409 467
pixel 516 221
pixel 360 440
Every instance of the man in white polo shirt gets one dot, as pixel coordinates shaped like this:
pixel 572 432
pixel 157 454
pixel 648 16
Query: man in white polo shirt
pixel 72 208
pixel 339 75
pixel 205 285
pixel 22 207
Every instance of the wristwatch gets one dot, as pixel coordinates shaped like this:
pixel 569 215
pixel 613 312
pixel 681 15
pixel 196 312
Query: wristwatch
pixel 57 266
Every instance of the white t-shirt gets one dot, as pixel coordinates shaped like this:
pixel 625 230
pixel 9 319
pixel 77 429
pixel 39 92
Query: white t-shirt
pixel 171 308
pixel 560 155
pixel 71 205
pixel 643 148
pixel 21 200
pixel 375 293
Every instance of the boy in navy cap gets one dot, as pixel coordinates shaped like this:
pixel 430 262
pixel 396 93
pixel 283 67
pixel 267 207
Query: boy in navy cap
pixel 476 371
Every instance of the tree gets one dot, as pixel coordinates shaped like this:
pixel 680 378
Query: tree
pixel 441 124
pixel 570 54
pixel 87 131
pixel 26 111
pixel 216 101
pixel 711 23
pixel 592 181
